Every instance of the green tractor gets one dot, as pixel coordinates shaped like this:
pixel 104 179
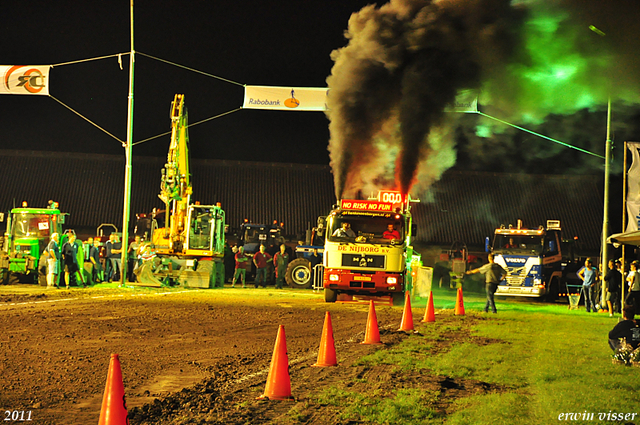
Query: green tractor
pixel 27 235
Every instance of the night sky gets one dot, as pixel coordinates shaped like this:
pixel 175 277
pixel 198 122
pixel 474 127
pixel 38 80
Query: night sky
pixel 287 43
pixel 278 43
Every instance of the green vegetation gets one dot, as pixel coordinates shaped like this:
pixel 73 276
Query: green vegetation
pixel 526 365
pixel 406 406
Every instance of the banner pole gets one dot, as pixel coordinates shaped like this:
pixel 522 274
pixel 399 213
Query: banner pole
pixel 624 221
pixel 124 255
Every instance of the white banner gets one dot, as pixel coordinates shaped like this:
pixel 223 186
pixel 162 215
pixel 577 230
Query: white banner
pixel 285 98
pixel 633 188
pixel 315 99
pixel 25 79
pixel 466 101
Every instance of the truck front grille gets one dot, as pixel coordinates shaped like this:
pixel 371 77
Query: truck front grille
pixel 515 280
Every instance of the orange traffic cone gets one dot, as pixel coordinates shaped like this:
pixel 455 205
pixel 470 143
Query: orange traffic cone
pixel 372 334
pixel 459 310
pixel 327 351
pixel 407 316
pixel 278 381
pixel 114 405
pixel 429 314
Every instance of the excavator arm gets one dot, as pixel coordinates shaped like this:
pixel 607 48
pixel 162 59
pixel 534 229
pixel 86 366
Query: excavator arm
pixel 175 185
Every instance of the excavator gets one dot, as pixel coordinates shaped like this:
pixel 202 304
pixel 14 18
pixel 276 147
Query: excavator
pixel 187 249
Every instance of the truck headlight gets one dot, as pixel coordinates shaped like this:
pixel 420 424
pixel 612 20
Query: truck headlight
pixel 392 280
pixel 334 277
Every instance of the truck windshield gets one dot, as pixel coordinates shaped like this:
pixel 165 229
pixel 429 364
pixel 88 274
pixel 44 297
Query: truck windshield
pixel 255 235
pixel 382 229
pixel 518 244
pixel 27 225
pixel 264 235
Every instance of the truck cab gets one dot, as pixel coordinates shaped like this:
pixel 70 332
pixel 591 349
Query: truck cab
pixel 532 259
pixel 367 250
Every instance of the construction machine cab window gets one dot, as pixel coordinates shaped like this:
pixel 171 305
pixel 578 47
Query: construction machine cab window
pixel 200 233
pixel 372 229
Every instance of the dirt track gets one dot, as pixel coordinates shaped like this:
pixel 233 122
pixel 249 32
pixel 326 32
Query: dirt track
pixel 188 357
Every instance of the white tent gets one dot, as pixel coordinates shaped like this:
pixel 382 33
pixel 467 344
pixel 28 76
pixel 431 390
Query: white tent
pixel 628 238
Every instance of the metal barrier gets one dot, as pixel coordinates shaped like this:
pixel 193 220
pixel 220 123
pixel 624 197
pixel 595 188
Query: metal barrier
pixel 318 277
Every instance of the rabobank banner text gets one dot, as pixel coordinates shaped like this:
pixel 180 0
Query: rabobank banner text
pixel 466 101
pixel 24 79
pixel 285 98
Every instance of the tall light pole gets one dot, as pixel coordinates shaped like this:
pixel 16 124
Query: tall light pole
pixel 605 215
pixel 607 171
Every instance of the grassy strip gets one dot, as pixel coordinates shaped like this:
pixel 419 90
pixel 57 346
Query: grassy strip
pixel 542 360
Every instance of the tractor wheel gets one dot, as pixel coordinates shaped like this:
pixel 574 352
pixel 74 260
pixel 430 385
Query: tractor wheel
pixel 330 295
pixel 14 279
pixel 299 274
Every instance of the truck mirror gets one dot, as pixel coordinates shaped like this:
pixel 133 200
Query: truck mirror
pixel 61 220
pixel 487 247
pixel 414 230
pixel 1 217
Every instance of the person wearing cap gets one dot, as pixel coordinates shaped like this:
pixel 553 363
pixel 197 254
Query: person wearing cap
pixel 71 268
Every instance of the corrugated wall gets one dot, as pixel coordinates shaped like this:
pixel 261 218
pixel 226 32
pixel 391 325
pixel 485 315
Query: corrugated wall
pixel 463 206
pixel 467 206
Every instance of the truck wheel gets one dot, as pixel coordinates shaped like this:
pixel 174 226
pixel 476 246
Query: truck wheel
pixel 298 274
pixel 330 295
pixel 552 294
pixel 397 298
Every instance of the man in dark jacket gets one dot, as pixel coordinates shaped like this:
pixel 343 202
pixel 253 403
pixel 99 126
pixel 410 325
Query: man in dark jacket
pixel 71 268
pixel 613 281
pixel 627 330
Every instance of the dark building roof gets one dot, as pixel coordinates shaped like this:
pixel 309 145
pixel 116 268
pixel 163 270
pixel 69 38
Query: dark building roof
pixel 464 206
